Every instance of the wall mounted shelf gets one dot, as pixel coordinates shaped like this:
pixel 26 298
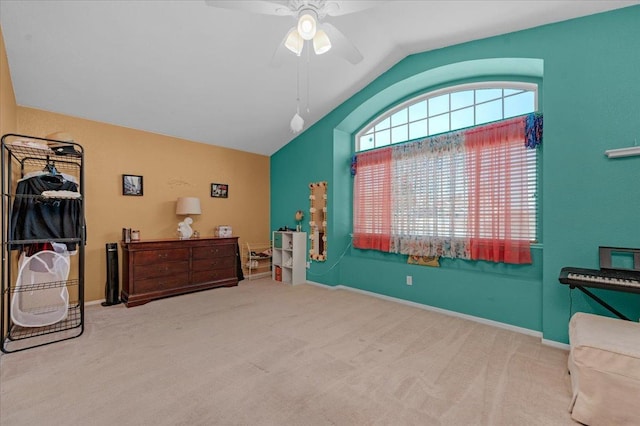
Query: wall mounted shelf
pixel 623 152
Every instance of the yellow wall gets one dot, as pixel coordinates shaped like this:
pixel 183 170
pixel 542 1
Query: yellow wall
pixel 171 168
pixel 7 97
pixel 7 115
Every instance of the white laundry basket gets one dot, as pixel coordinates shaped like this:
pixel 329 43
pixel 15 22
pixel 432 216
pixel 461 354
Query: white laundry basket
pixel 41 297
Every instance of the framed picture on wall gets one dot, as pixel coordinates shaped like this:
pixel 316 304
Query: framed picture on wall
pixel 219 190
pixel 132 185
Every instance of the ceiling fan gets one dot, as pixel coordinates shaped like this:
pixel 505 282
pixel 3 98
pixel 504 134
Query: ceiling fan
pixel 322 36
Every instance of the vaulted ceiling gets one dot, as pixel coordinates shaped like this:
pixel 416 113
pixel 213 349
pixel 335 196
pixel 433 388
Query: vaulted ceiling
pixel 185 69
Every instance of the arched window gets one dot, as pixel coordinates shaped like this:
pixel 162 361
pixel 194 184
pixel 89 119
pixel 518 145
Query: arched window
pixel 464 183
pixel 448 109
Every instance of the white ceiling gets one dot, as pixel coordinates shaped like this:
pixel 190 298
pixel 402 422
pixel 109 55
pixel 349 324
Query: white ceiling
pixel 185 69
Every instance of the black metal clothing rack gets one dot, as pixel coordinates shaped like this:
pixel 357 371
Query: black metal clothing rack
pixel 22 154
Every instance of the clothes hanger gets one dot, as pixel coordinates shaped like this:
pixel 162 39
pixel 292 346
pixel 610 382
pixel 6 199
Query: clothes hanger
pixel 51 169
pixel 52 172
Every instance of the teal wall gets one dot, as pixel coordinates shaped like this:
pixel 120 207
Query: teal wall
pixel 591 102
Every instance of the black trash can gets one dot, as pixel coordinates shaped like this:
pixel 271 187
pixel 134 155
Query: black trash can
pixel 112 286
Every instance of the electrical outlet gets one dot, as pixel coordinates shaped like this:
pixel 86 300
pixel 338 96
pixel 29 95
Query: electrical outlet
pixel 409 280
pixel 308 265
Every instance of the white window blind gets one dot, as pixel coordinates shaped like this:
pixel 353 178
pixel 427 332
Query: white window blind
pixel 468 194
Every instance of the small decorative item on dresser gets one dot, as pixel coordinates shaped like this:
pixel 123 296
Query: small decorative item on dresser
pixel 126 235
pixel 223 231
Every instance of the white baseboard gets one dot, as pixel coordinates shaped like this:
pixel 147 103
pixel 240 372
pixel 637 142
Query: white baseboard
pixel 555 344
pixel 325 286
pixel 480 320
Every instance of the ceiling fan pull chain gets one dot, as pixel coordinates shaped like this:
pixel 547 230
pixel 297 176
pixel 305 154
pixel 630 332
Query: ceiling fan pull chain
pixel 308 80
pixel 297 123
pixel 298 86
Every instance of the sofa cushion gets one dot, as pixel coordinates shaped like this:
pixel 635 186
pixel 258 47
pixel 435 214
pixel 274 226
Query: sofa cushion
pixel 604 363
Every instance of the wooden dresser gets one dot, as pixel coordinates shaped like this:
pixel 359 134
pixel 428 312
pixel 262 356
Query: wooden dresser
pixel 153 269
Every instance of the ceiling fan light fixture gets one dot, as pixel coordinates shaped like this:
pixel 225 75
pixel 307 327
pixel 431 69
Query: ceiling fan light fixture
pixel 294 42
pixel 307 24
pixel 321 42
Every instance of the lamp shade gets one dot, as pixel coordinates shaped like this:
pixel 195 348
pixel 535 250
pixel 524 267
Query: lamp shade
pixel 321 42
pixel 188 205
pixel 294 42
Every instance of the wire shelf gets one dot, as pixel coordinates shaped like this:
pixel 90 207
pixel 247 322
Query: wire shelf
pixel 44 286
pixel 37 156
pixel 73 320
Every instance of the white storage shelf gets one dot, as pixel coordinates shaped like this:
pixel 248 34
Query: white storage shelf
pixel 289 251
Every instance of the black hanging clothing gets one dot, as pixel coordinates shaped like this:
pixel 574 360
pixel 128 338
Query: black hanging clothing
pixel 45 218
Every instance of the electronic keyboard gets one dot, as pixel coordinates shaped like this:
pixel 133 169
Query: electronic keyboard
pixel 609 279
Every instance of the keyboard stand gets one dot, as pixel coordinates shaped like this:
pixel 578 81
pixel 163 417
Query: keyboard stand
pixel 600 301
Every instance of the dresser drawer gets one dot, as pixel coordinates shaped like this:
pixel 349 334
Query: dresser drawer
pixel 214 251
pixel 212 275
pixel 161 283
pixel 214 263
pixel 160 270
pixel 153 257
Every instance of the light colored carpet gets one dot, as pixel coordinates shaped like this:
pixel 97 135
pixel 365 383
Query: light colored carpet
pixel 264 353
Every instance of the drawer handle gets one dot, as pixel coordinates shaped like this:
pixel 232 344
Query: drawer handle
pixel 163 255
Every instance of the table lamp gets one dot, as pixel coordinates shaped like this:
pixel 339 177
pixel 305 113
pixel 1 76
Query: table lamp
pixel 187 206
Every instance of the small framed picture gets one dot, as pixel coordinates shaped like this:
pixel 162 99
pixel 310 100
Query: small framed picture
pixel 132 185
pixel 219 190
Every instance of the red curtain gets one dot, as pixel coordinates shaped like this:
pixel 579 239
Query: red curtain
pixel 499 177
pixel 372 200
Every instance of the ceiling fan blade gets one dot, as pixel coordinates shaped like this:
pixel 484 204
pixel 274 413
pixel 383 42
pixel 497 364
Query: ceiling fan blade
pixel 341 45
pixel 254 6
pixel 338 8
